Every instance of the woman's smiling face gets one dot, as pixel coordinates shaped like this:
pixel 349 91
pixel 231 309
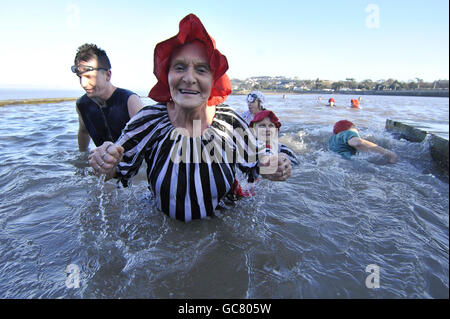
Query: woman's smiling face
pixel 190 77
pixel 266 130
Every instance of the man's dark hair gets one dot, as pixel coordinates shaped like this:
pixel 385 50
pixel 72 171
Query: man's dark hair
pixel 89 51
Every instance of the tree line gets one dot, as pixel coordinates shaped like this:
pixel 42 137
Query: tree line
pixel 295 84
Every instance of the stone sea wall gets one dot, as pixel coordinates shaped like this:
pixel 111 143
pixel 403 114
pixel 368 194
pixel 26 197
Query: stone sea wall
pixel 438 146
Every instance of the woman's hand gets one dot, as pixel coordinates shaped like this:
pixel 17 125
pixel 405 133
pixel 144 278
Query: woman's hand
pixel 104 158
pixel 279 163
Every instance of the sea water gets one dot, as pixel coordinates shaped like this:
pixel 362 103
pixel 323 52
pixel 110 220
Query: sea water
pixel 321 234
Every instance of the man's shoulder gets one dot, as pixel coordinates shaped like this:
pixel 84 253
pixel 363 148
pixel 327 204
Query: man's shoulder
pixel 347 135
pixel 125 92
pixel 83 100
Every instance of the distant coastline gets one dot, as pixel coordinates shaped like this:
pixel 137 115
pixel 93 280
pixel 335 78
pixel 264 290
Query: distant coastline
pixel 425 93
pixel 349 86
pixel 36 101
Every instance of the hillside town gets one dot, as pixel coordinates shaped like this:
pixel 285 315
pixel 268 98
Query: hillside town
pixel 296 85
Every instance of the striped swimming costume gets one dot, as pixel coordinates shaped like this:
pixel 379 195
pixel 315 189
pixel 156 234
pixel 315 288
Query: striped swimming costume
pixel 188 175
pixel 290 153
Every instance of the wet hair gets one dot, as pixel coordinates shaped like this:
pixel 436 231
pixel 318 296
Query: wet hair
pixel 90 51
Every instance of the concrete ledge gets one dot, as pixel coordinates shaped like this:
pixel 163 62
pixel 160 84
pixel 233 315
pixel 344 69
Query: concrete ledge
pixel 37 101
pixel 439 151
pixel 438 145
pixel 407 132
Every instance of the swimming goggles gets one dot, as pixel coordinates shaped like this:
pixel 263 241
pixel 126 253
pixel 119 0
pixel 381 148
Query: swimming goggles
pixel 80 69
pixel 251 97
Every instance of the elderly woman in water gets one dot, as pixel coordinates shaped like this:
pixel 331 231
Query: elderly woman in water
pixel 191 142
pixel 266 126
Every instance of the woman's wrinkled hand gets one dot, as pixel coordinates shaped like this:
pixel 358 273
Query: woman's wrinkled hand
pixel 104 158
pixel 276 167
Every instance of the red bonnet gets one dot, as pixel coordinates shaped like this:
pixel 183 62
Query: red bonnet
pixel 191 29
pixel 262 115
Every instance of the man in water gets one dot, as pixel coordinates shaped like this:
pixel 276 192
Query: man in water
pixel 346 141
pixel 105 109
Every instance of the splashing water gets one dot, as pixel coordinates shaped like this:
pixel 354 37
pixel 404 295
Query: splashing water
pixel 312 236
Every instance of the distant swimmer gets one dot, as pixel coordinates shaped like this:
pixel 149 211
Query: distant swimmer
pixel 346 141
pixel 360 99
pixel 284 96
pixel 354 103
pixel 331 102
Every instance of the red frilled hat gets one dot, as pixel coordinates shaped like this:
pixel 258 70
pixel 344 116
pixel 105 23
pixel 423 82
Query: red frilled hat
pixel 355 103
pixel 191 29
pixel 261 115
pixel 342 126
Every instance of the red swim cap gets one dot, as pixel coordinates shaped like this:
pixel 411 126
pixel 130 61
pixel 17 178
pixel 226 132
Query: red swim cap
pixel 331 100
pixel 190 29
pixel 355 103
pixel 261 115
pixel 342 126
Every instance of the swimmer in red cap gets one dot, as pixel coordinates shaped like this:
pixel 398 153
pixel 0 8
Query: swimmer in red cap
pixel 346 141
pixel 331 102
pixel 266 126
pixel 355 103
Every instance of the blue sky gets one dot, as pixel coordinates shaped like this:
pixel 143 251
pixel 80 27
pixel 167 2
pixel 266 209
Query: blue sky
pixel 309 39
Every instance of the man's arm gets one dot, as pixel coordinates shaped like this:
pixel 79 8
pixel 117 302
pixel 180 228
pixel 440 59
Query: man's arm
pixel 83 135
pixel 134 105
pixel 367 146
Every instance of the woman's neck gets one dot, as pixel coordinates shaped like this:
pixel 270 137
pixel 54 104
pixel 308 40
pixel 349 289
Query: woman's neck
pixel 191 122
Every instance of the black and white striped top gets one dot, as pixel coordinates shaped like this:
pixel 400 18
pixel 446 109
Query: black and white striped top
pixel 290 153
pixel 188 175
